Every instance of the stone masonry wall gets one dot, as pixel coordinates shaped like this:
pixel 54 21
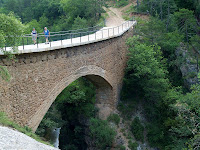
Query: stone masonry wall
pixel 38 78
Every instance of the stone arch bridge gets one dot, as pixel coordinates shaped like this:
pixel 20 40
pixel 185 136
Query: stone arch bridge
pixel 38 77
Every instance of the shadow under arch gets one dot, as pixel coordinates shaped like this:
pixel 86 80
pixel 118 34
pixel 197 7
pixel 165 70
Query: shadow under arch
pixel 104 92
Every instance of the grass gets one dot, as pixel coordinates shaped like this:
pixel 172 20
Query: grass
pixel 5 121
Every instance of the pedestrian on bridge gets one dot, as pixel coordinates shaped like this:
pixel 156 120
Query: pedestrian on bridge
pixel 34 35
pixel 46 34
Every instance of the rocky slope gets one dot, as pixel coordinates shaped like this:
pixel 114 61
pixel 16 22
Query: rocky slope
pixel 13 140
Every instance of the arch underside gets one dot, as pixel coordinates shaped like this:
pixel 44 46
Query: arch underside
pixel 104 92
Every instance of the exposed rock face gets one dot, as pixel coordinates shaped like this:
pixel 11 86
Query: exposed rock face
pixel 188 66
pixel 15 140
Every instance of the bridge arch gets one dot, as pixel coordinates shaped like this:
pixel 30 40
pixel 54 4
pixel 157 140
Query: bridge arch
pixel 104 92
pixel 39 75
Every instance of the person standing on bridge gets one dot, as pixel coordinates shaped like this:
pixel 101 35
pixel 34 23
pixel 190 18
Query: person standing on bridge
pixel 46 34
pixel 34 35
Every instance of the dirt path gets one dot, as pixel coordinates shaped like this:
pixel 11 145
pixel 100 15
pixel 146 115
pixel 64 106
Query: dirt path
pixel 115 16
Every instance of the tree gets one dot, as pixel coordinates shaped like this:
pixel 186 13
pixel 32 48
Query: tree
pixel 10 30
pixel 187 128
pixel 186 23
pixel 101 133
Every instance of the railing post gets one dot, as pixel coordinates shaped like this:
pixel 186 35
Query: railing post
pixel 95 35
pixel 88 36
pixel 5 47
pixel 102 34
pixel 108 32
pixel 71 37
pixel 23 42
pixel 118 29
pixel 37 41
pixel 80 37
pixel 61 39
pixel 113 31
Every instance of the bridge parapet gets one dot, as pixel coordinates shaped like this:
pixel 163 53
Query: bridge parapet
pixel 75 38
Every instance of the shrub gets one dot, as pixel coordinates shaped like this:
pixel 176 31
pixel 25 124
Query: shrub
pixel 132 146
pixel 137 129
pixel 122 147
pixel 101 133
pixel 122 3
pixel 114 118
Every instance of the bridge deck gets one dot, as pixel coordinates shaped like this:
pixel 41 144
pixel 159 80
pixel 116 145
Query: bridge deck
pixel 103 34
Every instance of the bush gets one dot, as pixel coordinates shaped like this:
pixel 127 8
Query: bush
pixel 122 147
pixel 132 146
pixel 137 129
pixel 122 3
pixel 101 133
pixel 114 118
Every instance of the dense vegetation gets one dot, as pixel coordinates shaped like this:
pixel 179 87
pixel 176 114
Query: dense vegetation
pixel 152 75
pixel 57 15
pixel 152 78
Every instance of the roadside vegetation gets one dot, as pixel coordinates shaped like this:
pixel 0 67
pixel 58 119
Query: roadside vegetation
pixel 5 121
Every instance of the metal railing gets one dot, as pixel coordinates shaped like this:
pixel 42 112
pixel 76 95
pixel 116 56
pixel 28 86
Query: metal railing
pixel 70 37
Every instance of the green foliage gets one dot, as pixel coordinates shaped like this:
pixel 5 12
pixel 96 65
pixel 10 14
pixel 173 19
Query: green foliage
pixel 11 28
pixel 128 106
pixel 119 3
pixel 187 118
pixel 57 15
pixel 146 63
pixel 2 39
pixel 52 119
pixel 114 118
pixel 5 121
pixel 4 73
pixel 189 4
pixel 79 23
pixel 121 147
pixel 132 145
pixel 195 42
pixel 151 30
pixel 137 129
pixel 157 7
pixel 79 96
pixel 186 22
pixel 33 24
pixel 87 9
pixel 101 133
pixel 156 135
pixel 146 75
